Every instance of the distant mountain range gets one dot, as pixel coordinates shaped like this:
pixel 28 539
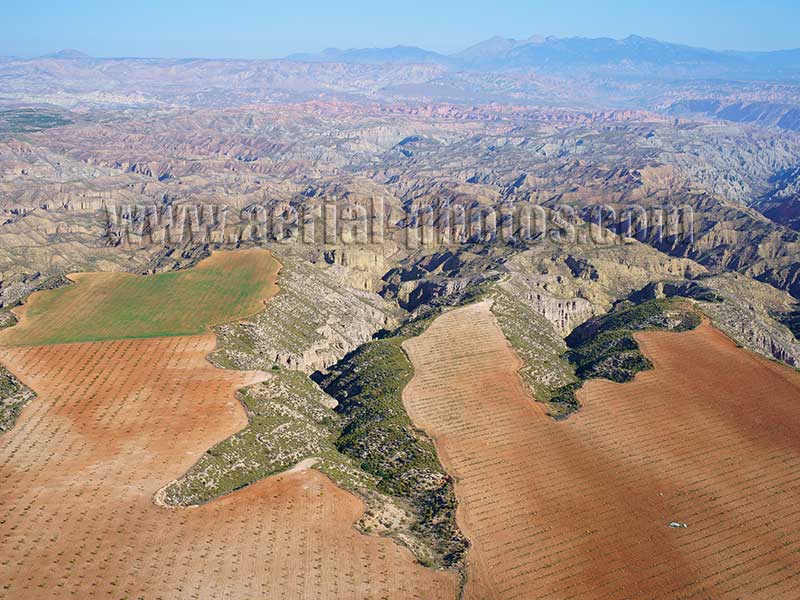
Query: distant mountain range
pixel 397 54
pixel 590 73
pixel 67 53
pixel 633 55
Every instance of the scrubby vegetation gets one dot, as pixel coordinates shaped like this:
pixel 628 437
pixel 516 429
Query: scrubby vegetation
pixel 605 348
pixel 13 397
pixel 541 349
pixel 307 326
pixel 670 314
pixel 7 319
pixel 366 445
pixel 290 420
pixel 13 394
pixel 791 320
pixel 379 434
pixel 424 316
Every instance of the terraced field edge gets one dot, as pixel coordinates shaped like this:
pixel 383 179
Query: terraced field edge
pixel 605 348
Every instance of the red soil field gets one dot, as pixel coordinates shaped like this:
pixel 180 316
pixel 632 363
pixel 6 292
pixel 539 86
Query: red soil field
pixel 117 420
pixel 581 509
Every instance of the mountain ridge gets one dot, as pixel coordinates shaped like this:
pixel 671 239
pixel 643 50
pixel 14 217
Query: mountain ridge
pixel 67 53
pixel 634 53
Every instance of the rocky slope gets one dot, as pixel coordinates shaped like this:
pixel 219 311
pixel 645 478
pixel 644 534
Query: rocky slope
pixel 311 324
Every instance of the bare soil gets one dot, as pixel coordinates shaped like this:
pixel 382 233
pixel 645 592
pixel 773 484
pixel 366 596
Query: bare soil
pixel 114 422
pixel 582 508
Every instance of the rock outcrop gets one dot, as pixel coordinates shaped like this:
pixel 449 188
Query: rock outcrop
pixel 313 322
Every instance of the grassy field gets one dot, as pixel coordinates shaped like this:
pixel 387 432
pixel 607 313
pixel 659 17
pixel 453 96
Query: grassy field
pixel 110 306
pixel 28 120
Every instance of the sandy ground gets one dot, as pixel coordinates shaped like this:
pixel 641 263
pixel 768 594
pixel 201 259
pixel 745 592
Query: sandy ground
pixel 581 509
pixel 114 422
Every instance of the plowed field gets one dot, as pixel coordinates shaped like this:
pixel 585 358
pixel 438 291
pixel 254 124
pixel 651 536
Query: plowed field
pixel 113 423
pixel 581 509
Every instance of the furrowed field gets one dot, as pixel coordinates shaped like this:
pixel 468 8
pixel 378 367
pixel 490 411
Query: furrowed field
pixel 115 421
pixel 582 508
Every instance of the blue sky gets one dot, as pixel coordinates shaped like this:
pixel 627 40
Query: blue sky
pixel 251 29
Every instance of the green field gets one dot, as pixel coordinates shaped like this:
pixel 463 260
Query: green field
pixel 108 306
pixel 28 120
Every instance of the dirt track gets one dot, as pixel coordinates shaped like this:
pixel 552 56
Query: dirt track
pixel 581 509
pixel 115 421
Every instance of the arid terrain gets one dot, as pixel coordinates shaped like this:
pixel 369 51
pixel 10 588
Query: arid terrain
pixel 518 321
pixel 582 509
pixel 113 423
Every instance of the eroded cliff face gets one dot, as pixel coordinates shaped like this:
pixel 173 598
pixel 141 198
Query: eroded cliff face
pixel 568 285
pixel 781 202
pixel 64 193
pixel 764 107
pixel 563 314
pixel 363 266
pixel 280 159
pixel 315 320
pixel 567 289
pixel 748 315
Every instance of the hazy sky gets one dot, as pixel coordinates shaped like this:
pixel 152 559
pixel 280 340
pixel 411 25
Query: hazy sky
pixel 254 29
